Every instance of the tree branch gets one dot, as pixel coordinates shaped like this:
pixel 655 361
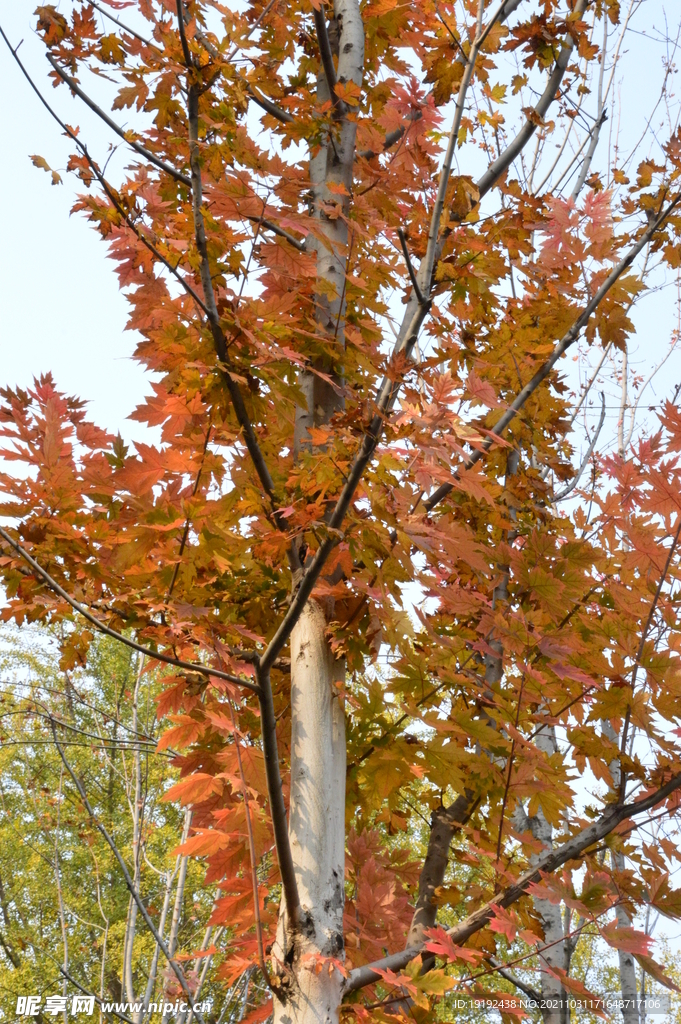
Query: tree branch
pixel 275 229
pixel 250 438
pixel 505 159
pixel 218 335
pixel 573 849
pixel 410 269
pixel 188 59
pixel 563 345
pixel 251 850
pixel 444 824
pixel 268 723
pixel 530 992
pixel 268 106
pixel 166 659
pixel 264 689
pixel 85 991
pixel 327 57
pixel 155 160
pixel 392 137
pixel 388 390
pixel 575 480
pixel 102 180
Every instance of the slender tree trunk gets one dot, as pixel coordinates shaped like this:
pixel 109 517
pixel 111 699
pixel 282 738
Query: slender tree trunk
pixel 316 828
pixel 310 990
pixel 627 963
pixel 555 1010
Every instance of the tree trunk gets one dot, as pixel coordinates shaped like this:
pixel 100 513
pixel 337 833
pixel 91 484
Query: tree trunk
pixel 627 963
pixel 316 827
pixel 555 1010
pixel 310 989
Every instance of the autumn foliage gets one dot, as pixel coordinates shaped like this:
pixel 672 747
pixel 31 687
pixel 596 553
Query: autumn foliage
pixel 497 644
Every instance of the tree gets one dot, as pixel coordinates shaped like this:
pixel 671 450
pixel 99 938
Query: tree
pixel 301 519
pixel 66 911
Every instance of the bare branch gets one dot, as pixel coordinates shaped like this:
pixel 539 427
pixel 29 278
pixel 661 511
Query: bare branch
pixel 594 135
pixel 188 59
pixel 131 32
pixel 271 226
pixel 505 159
pixel 585 461
pixel 98 1000
pixel 429 260
pixel 499 969
pixel 268 724
pixel 268 106
pixel 410 269
pixel 326 57
pixel 444 824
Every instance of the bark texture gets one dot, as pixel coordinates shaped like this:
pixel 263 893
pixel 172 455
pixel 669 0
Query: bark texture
pixel 316 828
pixel 627 964
pixel 310 989
pixel 555 1010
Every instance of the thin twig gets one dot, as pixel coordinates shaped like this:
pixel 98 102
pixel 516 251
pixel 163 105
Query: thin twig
pixel 251 850
pixel 410 269
pixel 138 147
pixel 575 480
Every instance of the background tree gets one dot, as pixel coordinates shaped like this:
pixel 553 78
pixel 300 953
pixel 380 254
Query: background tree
pixel 66 911
pixel 299 518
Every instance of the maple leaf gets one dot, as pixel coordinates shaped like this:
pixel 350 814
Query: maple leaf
pixel 627 939
pixel 40 161
pixel 481 391
pixel 185 732
pixel 194 789
pixel 439 942
pixel 504 922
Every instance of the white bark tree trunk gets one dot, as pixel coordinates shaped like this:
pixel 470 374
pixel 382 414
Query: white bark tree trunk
pixel 555 1009
pixel 316 828
pixel 309 989
pixel 627 964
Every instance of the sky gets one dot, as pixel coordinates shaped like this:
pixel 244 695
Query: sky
pixel 62 310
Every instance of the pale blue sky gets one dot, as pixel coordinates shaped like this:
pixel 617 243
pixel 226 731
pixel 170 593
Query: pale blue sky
pixel 62 310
